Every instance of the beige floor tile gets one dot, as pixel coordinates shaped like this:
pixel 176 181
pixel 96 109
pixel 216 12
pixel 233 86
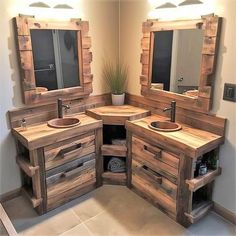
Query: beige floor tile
pixel 54 225
pixel 109 210
pixel 101 200
pixel 105 224
pixel 80 230
pixel 132 215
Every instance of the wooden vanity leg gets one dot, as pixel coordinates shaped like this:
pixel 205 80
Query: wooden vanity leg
pixel 184 196
pixel 129 158
pixel 99 158
pixel 41 179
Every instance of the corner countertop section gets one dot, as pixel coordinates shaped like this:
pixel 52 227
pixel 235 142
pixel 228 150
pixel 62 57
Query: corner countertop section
pixel 40 135
pixel 117 115
pixel 191 141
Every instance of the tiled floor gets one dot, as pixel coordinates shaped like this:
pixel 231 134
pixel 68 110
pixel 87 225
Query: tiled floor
pixel 109 210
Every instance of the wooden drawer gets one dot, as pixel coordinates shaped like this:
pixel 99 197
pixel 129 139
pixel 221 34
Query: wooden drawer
pixel 72 175
pixel 161 161
pixel 67 150
pixel 155 187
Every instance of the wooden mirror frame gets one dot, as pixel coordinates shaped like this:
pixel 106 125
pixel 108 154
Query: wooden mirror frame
pixel 23 25
pixel 211 26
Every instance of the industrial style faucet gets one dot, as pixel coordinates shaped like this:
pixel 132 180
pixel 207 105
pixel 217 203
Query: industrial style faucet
pixel 60 106
pixel 172 110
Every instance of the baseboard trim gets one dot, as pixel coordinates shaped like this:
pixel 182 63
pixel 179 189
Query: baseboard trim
pixel 7 222
pixel 225 213
pixel 10 195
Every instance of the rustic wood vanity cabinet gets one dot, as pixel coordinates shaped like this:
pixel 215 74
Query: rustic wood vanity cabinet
pixel 163 165
pixel 58 164
pixel 114 118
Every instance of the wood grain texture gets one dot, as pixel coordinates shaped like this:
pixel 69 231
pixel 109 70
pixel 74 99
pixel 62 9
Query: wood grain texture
pixel 196 183
pixel 207 122
pixel 191 141
pixel 200 211
pixel 69 149
pixel 211 26
pixel 41 113
pixel 23 25
pixel 114 178
pixel 40 135
pixel 114 150
pixel 117 115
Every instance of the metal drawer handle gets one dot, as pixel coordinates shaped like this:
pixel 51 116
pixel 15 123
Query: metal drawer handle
pixel 70 150
pixel 157 153
pixel 72 172
pixel 153 174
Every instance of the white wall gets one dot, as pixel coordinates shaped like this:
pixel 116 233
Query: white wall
pixel 133 13
pixel 103 18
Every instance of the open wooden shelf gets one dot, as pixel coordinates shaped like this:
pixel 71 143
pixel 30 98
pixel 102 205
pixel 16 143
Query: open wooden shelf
pixel 114 150
pixel 199 211
pixel 26 166
pixel 200 181
pixel 28 194
pixel 114 178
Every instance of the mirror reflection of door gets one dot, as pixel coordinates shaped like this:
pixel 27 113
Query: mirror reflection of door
pixel 184 59
pixel 55 56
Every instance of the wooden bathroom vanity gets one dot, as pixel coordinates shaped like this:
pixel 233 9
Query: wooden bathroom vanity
pixel 162 166
pixel 58 164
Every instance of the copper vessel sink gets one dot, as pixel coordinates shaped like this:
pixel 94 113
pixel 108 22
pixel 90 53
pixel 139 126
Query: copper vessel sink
pixel 66 122
pixel 165 126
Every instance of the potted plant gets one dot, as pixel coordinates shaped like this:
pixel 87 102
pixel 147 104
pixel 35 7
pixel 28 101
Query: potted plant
pixel 115 76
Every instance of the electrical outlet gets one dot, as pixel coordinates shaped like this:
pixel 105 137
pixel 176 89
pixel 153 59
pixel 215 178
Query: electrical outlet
pixel 230 92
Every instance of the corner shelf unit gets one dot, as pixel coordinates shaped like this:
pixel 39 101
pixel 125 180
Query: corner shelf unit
pixel 114 118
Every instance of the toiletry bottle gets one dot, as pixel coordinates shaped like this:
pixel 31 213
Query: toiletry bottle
pixel 23 124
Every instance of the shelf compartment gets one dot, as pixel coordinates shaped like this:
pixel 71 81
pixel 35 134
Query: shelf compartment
pixel 199 211
pixel 28 194
pixel 200 181
pixel 114 150
pixel 114 178
pixel 26 166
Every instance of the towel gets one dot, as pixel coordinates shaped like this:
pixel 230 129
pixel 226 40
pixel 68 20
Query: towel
pixel 116 165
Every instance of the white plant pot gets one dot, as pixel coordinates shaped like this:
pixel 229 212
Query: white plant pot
pixel 118 100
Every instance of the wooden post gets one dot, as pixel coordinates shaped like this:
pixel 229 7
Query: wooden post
pixel 99 158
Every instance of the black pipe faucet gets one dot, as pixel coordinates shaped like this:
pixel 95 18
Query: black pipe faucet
pixel 172 110
pixel 60 106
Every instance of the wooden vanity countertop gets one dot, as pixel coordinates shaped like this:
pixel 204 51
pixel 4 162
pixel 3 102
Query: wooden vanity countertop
pixel 117 115
pixel 192 141
pixel 40 135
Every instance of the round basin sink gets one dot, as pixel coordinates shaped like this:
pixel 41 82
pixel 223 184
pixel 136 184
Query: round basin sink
pixel 66 122
pixel 165 126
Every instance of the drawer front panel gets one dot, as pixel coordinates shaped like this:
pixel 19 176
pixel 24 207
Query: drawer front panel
pixel 148 188
pixel 160 161
pixel 68 150
pixel 69 176
pixel 155 179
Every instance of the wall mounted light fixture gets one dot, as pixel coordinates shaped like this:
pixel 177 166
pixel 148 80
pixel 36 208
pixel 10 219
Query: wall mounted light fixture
pixel 190 2
pixel 166 5
pixel 63 6
pixel 39 4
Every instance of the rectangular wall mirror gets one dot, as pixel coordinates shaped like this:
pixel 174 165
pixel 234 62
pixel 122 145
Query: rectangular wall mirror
pixel 176 62
pixel 179 59
pixel 54 58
